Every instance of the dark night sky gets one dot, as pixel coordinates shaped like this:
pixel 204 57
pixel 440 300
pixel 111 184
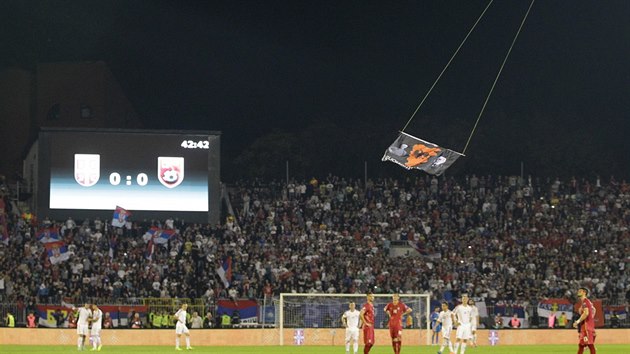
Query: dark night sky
pixel 250 67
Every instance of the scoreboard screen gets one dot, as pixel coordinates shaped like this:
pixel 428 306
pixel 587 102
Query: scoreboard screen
pixel 141 171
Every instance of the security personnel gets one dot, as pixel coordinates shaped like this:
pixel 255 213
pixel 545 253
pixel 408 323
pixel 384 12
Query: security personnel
pixel 10 320
pixel 165 320
pixel 226 321
pixel 156 322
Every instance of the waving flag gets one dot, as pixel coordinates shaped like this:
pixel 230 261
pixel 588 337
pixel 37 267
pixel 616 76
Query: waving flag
pixel 57 252
pixel 225 271
pixel 48 235
pixel 414 153
pixel 120 217
pixel 161 236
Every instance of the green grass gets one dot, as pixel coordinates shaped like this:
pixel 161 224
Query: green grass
pixel 382 349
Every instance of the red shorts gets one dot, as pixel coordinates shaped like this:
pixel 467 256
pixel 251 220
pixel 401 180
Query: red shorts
pixel 368 334
pixel 586 337
pixel 395 331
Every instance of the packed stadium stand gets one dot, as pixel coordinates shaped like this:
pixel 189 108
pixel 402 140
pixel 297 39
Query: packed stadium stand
pixel 507 241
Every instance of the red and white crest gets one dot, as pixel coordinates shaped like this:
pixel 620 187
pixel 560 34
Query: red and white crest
pixel 87 169
pixel 170 171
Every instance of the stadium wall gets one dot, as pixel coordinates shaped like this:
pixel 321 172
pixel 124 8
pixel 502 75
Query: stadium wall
pixel 311 336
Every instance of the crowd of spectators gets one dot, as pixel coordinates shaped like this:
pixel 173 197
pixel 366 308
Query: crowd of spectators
pixel 495 237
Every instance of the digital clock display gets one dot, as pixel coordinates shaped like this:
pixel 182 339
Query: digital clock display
pixel 137 171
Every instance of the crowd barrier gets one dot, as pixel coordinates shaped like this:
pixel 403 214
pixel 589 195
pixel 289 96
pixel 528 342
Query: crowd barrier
pixel 310 336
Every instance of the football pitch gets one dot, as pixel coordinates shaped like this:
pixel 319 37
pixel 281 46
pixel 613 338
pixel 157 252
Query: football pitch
pixel 538 349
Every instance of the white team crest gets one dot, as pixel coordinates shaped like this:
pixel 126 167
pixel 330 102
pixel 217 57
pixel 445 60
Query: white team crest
pixel 87 169
pixel 170 171
pixel 439 161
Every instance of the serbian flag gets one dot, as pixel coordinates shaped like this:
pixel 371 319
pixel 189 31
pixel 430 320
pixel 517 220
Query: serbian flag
pixel 620 311
pixel 247 309
pixel 414 153
pixel 48 235
pixel 160 236
pixel 225 271
pixel 57 252
pixel 555 306
pixel 120 217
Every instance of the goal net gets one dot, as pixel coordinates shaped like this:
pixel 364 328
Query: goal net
pixel 320 316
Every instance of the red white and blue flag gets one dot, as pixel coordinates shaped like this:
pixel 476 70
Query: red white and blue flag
pixel 120 217
pixel 247 309
pixel 160 236
pixel 57 252
pixel 224 270
pixel 48 235
pixel 620 311
pixel 555 306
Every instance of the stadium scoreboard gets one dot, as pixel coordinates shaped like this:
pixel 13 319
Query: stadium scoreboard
pixel 153 174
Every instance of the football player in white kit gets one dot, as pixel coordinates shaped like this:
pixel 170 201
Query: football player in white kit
pixel 83 329
pixel 95 332
pixel 350 320
pixel 445 318
pixel 181 328
pixel 463 317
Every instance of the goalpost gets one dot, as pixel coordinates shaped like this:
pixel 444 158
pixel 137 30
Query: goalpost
pixel 323 312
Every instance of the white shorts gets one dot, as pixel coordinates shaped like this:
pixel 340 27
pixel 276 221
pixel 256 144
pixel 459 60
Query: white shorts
pixel 446 332
pixel 95 331
pixel 83 330
pixel 352 334
pixel 463 331
pixel 181 328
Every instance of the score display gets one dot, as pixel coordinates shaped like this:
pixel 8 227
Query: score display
pixel 137 170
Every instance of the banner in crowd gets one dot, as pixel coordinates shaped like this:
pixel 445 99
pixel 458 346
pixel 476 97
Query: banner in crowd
pixel 120 217
pixel 224 270
pixel 424 252
pixel 47 235
pixel 620 311
pixel 57 252
pixel 481 308
pixel 509 309
pixel 414 153
pixel 555 306
pixel 50 315
pixel 247 309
